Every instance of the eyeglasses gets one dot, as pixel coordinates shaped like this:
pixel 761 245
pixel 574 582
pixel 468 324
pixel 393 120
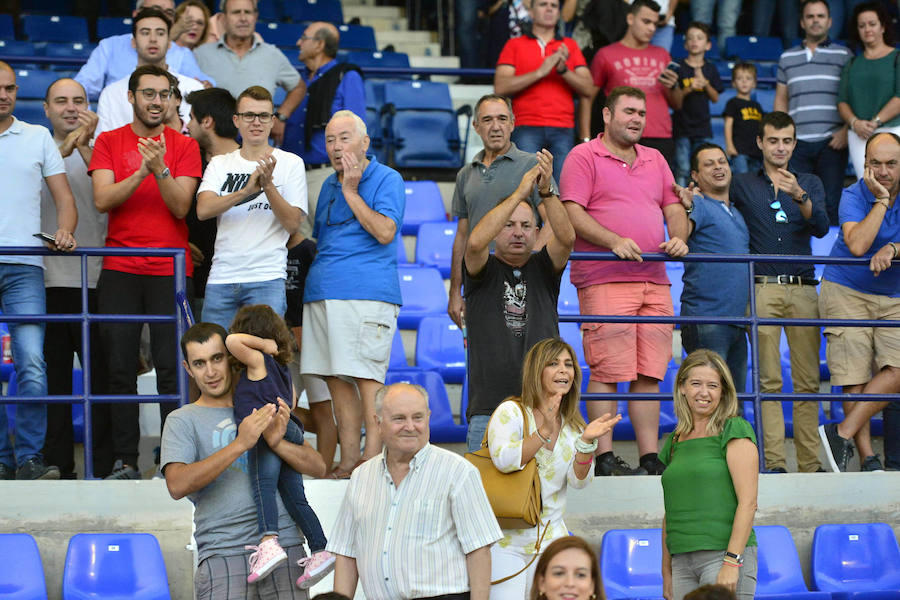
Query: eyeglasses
pixel 150 93
pixel 247 117
pixel 10 89
pixel 328 216
pixel 780 215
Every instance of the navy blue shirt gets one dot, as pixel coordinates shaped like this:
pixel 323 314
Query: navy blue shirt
pixel 250 394
pixel 753 193
pixel 717 289
pixel 693 119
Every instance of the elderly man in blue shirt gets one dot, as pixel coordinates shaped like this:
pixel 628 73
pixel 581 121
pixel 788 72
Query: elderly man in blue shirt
pixel 330 87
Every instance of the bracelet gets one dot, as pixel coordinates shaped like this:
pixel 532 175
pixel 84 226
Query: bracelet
pixel 543 439
pixel 885 202
pixel 584 463
pixel 853 121
pixel 585 447
pixel 894 248
pixel 731 563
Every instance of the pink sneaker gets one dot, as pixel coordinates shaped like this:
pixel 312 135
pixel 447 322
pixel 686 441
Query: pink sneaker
pixel 316 567
pixel 269 554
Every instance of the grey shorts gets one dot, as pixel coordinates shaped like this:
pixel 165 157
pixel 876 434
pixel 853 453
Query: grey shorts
pixel 690 570
pixel 348 338
pixel 225 578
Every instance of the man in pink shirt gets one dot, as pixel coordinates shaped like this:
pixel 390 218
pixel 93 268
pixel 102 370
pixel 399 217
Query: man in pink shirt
pixel 619 195
pixel 633 61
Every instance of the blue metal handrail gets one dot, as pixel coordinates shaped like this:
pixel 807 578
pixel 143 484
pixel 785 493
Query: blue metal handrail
pixel 86 318
pixel 754 321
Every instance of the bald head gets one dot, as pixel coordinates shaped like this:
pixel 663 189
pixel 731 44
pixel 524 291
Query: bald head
pixel 319 44
pixel 883 161
pixel 64 101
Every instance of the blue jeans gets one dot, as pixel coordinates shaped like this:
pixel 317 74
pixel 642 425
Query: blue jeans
pixel 224 299
pixel 726 23
pixel 841 13
pixel 684 147
pixel 268 473
pixel 664 37
pixel 477 426
pixel 745 164
pixel 467 38
pixel 21 293
pixel 829 164
pixel 558 140
pixel 729 341
pixel 788 16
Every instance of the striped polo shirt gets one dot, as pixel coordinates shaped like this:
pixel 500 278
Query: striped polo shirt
pixel 812 80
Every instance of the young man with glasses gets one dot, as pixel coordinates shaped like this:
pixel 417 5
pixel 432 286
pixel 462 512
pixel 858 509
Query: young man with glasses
pixel 145 176
pixel 783 210
pixel 257 194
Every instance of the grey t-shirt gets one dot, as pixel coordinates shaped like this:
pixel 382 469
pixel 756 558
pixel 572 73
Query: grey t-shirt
pixel 224 511
pixel 264 64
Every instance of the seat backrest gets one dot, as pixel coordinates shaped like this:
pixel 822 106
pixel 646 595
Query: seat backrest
pixel 110 26
pixel 398 353
pixel 434 245
pixel 423 294
pixel 73 50
pixel 280 34
pixel 418 95
pixel 269 10
pixel 17 48
pixel 438 402
pixel 55 28
pixel 33 83
pixel 315 10
pixel 24 581
pixel 365 59
pixel 439 344
pixel 629 562
pixel 357 37
pixel 31 111
pixel 423 204
pixel 115 565
pixel 567 303
pixel 7 28
pixel 750 47
pixel 778 566
pixel 855 557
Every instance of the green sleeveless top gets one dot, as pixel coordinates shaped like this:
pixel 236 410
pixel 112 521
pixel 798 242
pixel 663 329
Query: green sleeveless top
pixel 699 495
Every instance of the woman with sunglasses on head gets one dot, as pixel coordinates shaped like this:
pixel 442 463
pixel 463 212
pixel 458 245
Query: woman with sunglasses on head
pixel 709 485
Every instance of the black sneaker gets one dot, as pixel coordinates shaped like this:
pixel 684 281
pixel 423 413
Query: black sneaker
pixel 871 463
pixel 777 470
pixel 837 449
pixel 652 464
pixel 610 464
pixel 6 473
pixel 34 468
pixel 123 471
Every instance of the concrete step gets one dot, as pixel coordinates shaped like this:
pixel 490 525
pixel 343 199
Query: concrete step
pixel 405 37
pixel 385 23
pixel 373 12
pixel 442 62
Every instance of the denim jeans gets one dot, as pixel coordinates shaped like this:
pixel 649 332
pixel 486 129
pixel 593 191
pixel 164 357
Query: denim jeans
pixel 268 473
pixel 892 436
pixel 788 17
pixel 21 293
pixel 664 37
pixel 467 35
pixel 729 341
pixel 745 164
pixel 829 164
pixel 224 299
pixel 726 23
pixel 558 140
pixel 477 426
pixel 690 570
pixel 684 147
pixel 841 13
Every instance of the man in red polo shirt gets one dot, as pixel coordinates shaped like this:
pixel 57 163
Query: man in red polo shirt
pixel 541 72
pixel 145 177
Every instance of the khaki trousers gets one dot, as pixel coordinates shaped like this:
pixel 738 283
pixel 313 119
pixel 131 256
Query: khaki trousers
pixel 775 300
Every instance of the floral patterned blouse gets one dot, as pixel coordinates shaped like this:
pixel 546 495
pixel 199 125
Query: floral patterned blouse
pixel 556 469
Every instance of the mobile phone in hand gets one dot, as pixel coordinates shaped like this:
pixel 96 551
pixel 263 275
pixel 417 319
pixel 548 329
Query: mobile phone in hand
pixel 46 237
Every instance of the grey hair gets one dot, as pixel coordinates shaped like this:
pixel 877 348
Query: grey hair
pixel 386 389
pixel 223 6
pixel 349 114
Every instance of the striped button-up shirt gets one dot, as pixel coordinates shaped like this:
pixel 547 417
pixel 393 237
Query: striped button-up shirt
pixel 411 540
pixel 812 79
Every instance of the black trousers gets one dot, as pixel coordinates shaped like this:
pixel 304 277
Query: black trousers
pixel 62 341
pixel 127 293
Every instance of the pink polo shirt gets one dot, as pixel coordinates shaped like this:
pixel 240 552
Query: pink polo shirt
pixel 626 200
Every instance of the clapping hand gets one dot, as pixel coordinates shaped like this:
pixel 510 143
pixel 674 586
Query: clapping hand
pixel 599 427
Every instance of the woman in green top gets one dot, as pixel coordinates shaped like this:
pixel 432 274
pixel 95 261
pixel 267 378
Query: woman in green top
pixel 709 485
pixel 869 92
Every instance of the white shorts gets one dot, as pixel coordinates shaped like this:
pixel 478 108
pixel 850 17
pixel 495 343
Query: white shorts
pixel 316 388
pixel 348 338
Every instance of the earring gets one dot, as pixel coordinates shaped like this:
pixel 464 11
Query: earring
pixel 593 596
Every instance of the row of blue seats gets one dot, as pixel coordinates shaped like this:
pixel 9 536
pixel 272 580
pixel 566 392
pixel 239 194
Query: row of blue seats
pixel 860 561
pixel 98 566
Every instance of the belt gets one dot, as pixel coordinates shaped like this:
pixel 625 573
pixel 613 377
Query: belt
pixel 318 166
pixel 786 279
pixel 459 596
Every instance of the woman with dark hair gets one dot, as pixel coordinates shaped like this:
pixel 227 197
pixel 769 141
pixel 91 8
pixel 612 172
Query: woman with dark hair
pixel 567 569
pixel 554 434
pixel 869 93
pixel 709 485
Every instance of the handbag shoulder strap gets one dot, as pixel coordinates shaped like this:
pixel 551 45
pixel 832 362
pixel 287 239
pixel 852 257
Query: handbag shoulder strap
pixel 484 440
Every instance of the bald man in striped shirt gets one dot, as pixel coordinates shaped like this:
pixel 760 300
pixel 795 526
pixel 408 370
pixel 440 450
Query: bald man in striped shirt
pixel 415 522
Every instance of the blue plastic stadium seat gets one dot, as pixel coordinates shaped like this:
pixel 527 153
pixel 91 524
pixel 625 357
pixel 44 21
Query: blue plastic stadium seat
pixel 678 50
pixel 423 204
pixel 716 108
pixel 752 48
pixel 444 429
pixel 718 129
pixel 110 26
pixel 374 102
pixel 401 253
pixel 365 60
pixel 357 37
pixel 571 334
pixel 49 7
pixel 77 409
pixel 675 273
pixel 779 576
pixel 55 28
pixel 434 245
pixel 766 99
pixel 17 48
pixel 398 353
pixel 114 565
pixel 439 347
pixel 7 28
pixel 423 295
pixel 75 50
pixel 629 561
pixel 269 10
pixel 280 34
pixel 33 84
pixel 567 304
pixel 822 247
pixel 858 561
pixel 421 128
pixel 315 10
pixel 31 111
pixel 24 580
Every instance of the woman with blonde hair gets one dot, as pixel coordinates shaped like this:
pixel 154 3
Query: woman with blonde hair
pixel 191 24
pixel 709 485
pixel 554 433
pixel 567 570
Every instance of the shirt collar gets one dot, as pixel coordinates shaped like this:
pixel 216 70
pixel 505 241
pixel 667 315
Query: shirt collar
pixel 221 43
pixel 367 173
pixel 16 127
pixel 321 70
pixel 526 31
pixel 600 149
pixel 415 463
pixel 824 44
pixel 479 158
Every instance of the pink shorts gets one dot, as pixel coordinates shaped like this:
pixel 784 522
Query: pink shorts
pixel 621 351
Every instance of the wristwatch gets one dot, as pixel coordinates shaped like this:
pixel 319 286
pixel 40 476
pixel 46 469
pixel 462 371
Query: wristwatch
pixel 280 117
pixel 562 70
pixel 738 558
pixel 165 173
pixel 803 198
pixel 878 122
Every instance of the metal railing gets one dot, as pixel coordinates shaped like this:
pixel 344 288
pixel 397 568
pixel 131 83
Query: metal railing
pixel 86 318
pixel 753 321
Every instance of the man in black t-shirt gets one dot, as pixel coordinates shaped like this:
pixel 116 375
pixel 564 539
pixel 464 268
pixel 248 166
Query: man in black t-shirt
pixel 511 296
